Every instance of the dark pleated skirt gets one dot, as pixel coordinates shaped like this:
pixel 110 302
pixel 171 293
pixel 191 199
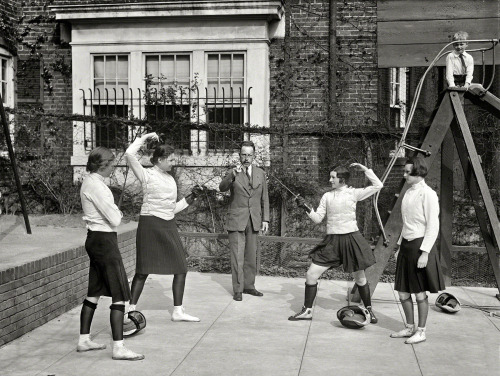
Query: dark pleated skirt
pixel 411 279
pixel 107 276
pixel 159 247
pixel 352 251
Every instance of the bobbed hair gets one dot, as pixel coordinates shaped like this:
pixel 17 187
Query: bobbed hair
pixel 342 173
pixel 99 157
pixel 160 152
pixel 419 166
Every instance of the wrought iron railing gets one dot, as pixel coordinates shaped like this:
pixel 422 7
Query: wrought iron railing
pixel 179 116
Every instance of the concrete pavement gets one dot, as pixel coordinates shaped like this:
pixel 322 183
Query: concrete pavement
pixel 254 337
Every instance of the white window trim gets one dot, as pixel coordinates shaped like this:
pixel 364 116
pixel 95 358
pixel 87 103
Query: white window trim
pixel 89 128
pixel 245 73
pixel 169 53
pixel 9 99
pixel 401 88
pixel 92 78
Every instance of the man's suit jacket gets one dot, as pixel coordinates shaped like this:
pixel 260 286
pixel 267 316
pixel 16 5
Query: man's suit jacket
pixel 248 199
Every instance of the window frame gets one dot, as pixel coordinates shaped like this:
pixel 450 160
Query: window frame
pixel 8 99
pixel 397 95
pixel 93 78
pixel 112 143
pixel 170 53
pixel 245 75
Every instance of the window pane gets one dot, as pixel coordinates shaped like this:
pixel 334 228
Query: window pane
pixel 182 67
pixel 110 68
pixel 152 67
pixel 122 85
pixel 4 70
pixel 99 67
pixel 4 92
pixel 122 67
pixel 213 68
pixel 167 69
pixel 212 88
pixel 99 89
pixel 238 65
pixel 225 65
pixel 237 85
pixel 225 88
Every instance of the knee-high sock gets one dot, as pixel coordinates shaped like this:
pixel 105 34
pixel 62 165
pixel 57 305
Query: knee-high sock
pixel 364 293
pixel 86 316
pixel 137 286
pixel 310 294
pixel 116 320
pixel 178 288
pixel 423 311
pixel 408 310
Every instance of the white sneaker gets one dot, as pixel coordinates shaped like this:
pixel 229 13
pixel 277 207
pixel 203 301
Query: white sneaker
pixel 418 337
pixel 406 332
pixel 89 345
pixel 180 315
pixel 304 314
pixel 122 353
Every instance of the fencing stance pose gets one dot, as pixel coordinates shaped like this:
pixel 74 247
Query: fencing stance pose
pixel 343 243
pixel 107 274
pixel 417 268
pixel 159 247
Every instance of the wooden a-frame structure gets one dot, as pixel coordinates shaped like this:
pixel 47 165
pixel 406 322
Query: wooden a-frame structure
pixel 449 126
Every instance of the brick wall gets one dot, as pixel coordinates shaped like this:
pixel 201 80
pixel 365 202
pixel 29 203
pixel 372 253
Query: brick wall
pixel 8 10
pixel 44 70
pixel 39 291
pixel 299 82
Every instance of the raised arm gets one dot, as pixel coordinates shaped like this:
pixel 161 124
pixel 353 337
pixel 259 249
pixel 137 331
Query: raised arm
pixel 376 184
pixel 228 180
pixel 131 155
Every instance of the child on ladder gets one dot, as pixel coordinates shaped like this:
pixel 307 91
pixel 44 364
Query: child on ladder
pixel 459 64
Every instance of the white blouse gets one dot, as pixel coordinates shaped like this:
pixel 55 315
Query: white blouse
pixel 420 211
pixel 100 211
pixel 339 206
pixel 159 188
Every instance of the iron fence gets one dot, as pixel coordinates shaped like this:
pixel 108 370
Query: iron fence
pixel 179 116
pixel 288 257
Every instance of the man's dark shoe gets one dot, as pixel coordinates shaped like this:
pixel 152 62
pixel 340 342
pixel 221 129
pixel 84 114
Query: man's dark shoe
pixel 238 296
pixel 252 292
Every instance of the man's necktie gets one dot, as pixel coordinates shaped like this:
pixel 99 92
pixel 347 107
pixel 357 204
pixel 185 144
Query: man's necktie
pixel 464 67
pixel 248 174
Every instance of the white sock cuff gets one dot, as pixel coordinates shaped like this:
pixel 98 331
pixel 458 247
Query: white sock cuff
pixel 118 343
pixel 84 337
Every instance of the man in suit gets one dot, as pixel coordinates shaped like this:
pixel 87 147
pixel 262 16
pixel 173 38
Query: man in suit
pixel 248 213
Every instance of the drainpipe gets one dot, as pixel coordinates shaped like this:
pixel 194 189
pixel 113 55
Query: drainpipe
pixel 332 62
